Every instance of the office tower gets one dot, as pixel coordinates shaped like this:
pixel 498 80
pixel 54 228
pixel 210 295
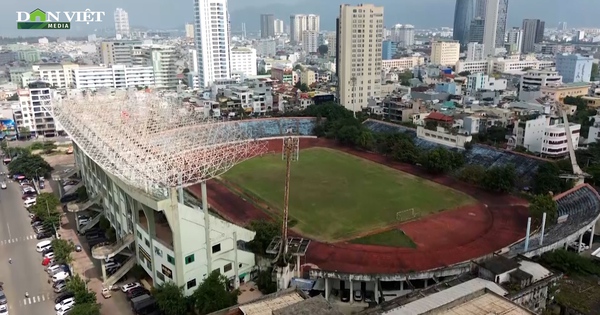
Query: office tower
pixel 331 44
pixel 359 57
pixel 121 23
pixel 278 27
pixel 562 26
pixel 480 6
pixel 395 32
pixel 212 40
pixel 514 41
pixel 117 52
pixel 533 33
pixel 495 25
pixel 300 23
pixel 406 36
pixel 267 25
pixel 475 52
pixel 189 30
pixel 464 12
pixel 476 30
pixel 445 53
pixel 388 49
pixel 574 67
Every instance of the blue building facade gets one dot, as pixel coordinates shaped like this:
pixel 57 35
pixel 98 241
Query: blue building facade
pixel 388 50
pixel 464 13
pixel 574 68
pixel 446 87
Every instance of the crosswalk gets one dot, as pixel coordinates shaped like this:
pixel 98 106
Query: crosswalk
pixel 35 299
pixel 18 239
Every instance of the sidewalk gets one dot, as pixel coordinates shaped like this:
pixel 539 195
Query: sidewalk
pixel 84 266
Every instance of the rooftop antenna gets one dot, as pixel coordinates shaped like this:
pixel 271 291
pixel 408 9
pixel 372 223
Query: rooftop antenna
pixel 290 153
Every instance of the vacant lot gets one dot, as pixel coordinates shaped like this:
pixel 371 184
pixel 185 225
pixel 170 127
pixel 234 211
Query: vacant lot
pixel 336 196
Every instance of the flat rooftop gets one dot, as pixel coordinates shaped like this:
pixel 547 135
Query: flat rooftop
pixel 267 306
pixel 486 304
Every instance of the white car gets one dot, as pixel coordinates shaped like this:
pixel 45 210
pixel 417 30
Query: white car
pixel 3 309
pixel 3 186
pixel 65 304
pixel 50 255
pixel 126 287
pixel 60 276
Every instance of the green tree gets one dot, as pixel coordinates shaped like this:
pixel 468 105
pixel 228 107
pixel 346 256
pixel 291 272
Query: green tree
pixel 49 146
pixel 24 132
pixel 298 67
pixel 266 231
pixel 571 263
pixel 104 224
pixel 441 160
pixel 472 174
pixel 13 152
pixel 304 87
pixel 265 282
pixel 348 135
pixel 45 209
pixel 85 309
pixel 62 251
pixel 170 299
pixel 544 203
pixel 500 178
pixel 80 291
pixel 405 150
pixel 366 140
pixel 4 145
pixel 464 73
pixel 546 179
pixel 323 49
pixel 29 165
pixel 212 294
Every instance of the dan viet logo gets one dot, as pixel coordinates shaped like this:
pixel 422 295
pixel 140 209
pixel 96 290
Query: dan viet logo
pixel 57 20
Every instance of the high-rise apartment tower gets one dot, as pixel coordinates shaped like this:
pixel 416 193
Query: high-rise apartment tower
pixel 267 25
pixel 212 40
pixel 495 25
pixel 122 23
pixel 533 33
pixel 464 12
pixel 359 44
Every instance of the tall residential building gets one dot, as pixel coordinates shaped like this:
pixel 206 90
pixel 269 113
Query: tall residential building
pixel 464 12
pixel 189 30
pixel 562 26
pixel 406 36
pixel 267 25
pixel 445 53
pixel 574 68
pixel 495 25
pixel 122 23
pixel 117 52
pixel 331 44
pixel 163 60
pixel 359 57
pixel 475 52
pixel 480 7
pixel 278 27
pixel 388 49
pixel 114 77
pixel 310 41
pixel 476 30
pixel 533 33
pixel 514 43
pixel 300 23
pixel 212 40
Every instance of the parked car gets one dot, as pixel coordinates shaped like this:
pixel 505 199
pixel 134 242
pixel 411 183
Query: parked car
pixel 129 286
pixel 60 287
pixel 358 296
pixel 60 276
pixel 135 292
pixel 345 296
pixel 68 198
pixel 3 185
pixel 64 304
pixel 63 297
pixel 44 234
pixel 3 300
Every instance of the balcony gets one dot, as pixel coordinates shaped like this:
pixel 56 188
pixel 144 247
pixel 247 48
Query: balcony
pixel 163 233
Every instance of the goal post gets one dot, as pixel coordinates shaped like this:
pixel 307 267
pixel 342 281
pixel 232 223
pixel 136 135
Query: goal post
pixel 405 215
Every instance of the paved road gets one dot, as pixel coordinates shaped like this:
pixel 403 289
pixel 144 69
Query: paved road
pixel 26 273
pixel 27 143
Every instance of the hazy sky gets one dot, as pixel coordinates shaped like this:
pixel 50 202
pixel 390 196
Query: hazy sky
pixel 162 14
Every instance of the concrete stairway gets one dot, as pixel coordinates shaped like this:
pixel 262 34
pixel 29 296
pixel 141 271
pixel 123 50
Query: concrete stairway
pixel 109 251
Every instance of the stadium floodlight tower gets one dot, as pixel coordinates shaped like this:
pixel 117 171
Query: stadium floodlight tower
pixel 155 143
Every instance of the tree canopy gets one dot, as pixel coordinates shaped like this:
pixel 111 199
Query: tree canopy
pixel 500 178
pixel 546 179
pixel 544 203
pixel 170 299
pixel 323 49
pixel 29 165
pixel 85 300
pixel 212 295
pixel 45 209
pixel 62 251
pixel 265 232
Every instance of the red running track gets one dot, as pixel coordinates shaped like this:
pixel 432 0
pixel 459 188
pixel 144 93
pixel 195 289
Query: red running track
pixel 442 239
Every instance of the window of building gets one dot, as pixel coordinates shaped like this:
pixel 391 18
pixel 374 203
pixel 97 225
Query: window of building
pixel 216 248
pixel 147 242
pixel 189 259
pixel 191 284
pixel 227 267
pixel 139 235
pixel 160 276
pixel 170 259
pixel 157 251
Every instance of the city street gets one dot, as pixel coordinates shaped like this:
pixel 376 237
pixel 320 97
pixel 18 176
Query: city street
pixel 27 143
pixel 26 273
